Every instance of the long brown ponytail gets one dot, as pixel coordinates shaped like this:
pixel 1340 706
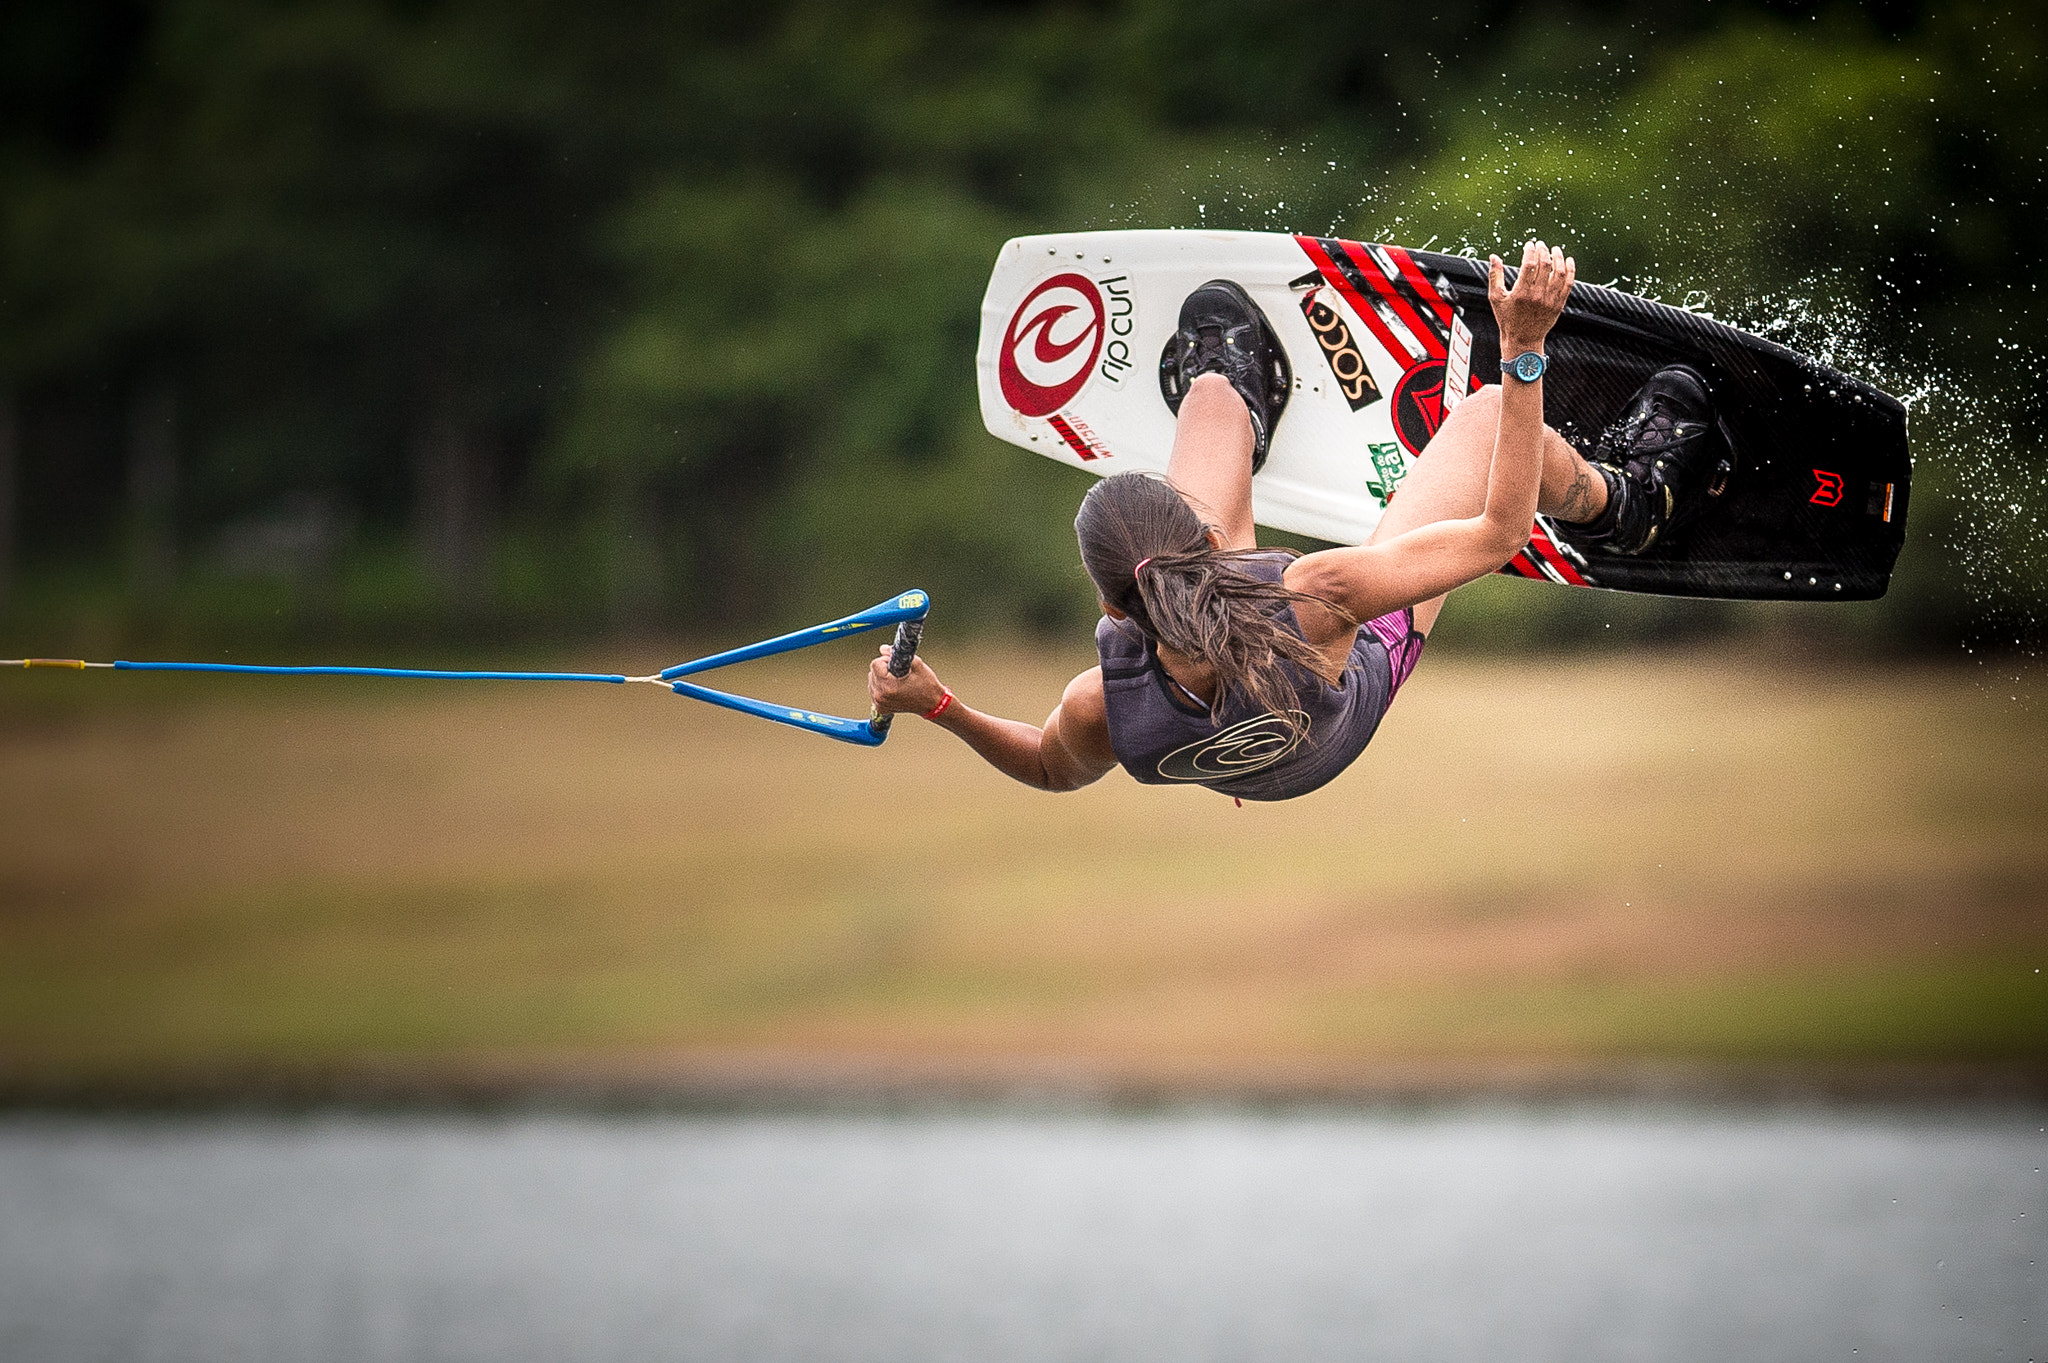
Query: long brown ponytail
pixel 1150 556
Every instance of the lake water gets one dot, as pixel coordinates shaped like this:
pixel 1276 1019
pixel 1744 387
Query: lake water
pixel 1449 1234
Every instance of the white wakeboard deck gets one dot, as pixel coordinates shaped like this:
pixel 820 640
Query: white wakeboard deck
pixel 1072 328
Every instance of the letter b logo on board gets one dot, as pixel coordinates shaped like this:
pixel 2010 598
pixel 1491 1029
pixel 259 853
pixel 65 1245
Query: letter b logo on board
pixel 1051 344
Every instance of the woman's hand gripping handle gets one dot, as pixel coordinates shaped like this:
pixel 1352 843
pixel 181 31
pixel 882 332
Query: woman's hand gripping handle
pixel 895 661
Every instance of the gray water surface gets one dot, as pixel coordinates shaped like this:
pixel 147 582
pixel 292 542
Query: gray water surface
pixel 1579 1234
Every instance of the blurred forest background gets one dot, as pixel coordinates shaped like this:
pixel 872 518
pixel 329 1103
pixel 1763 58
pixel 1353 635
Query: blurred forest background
pixel 447 320
pixel 432 329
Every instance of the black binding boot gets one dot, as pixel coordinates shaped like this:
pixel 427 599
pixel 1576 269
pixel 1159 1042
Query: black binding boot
pixel 1663 461
pixel 1222 331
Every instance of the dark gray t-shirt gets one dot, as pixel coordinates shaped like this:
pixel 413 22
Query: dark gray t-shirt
pixel 1162 737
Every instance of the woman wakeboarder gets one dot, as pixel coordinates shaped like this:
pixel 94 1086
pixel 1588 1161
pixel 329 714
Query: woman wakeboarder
pixel 1246 670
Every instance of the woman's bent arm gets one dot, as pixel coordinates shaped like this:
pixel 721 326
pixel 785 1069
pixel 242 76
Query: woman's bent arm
pixel 1370 580
pixel 1069 751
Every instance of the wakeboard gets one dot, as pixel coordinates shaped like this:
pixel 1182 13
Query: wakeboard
pixel 1383 341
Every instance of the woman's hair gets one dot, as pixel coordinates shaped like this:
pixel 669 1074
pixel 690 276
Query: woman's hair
pixel 1150 557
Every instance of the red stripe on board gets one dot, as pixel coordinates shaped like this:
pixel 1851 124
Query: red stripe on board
pixel 1541 544
pixel 1423 332
pixel 1074 442
pixel 1413 272
pixel 1367 313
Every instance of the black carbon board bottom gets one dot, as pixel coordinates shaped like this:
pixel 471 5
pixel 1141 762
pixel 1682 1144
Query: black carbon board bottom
pixel 1816 507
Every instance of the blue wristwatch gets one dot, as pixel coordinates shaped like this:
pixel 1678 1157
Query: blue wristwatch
pixel 1527 366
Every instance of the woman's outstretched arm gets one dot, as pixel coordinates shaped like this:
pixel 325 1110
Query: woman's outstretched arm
pixel 1069 751
pixel 1370 580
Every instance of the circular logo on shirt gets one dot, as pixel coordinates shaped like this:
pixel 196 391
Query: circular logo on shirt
pixel 1242 748
pixel 1051 344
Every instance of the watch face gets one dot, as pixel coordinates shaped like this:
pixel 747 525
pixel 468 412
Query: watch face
pixel 1528 366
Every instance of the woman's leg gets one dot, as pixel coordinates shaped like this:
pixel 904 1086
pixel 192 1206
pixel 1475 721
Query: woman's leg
pixel 1448 481
pixel 1212 458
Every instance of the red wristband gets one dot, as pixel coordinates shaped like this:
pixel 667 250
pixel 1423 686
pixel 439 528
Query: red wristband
pixel 944 701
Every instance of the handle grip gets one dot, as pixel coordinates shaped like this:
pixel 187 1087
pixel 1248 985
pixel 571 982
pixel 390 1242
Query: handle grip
pixel 905 648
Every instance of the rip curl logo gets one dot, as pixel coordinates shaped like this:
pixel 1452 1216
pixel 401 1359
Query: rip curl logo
pixel 1243 748
pixel 1051 345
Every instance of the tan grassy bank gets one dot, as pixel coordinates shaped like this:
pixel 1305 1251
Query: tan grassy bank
pixel 1561 868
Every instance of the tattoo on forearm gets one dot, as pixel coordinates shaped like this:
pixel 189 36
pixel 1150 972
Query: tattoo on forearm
pixel 1578 498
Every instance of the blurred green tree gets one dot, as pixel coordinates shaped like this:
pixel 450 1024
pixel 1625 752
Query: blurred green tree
pixel 454 315
pixel 1857 195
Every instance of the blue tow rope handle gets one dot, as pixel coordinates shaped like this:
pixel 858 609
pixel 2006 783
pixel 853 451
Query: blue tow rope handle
pixel 906 611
